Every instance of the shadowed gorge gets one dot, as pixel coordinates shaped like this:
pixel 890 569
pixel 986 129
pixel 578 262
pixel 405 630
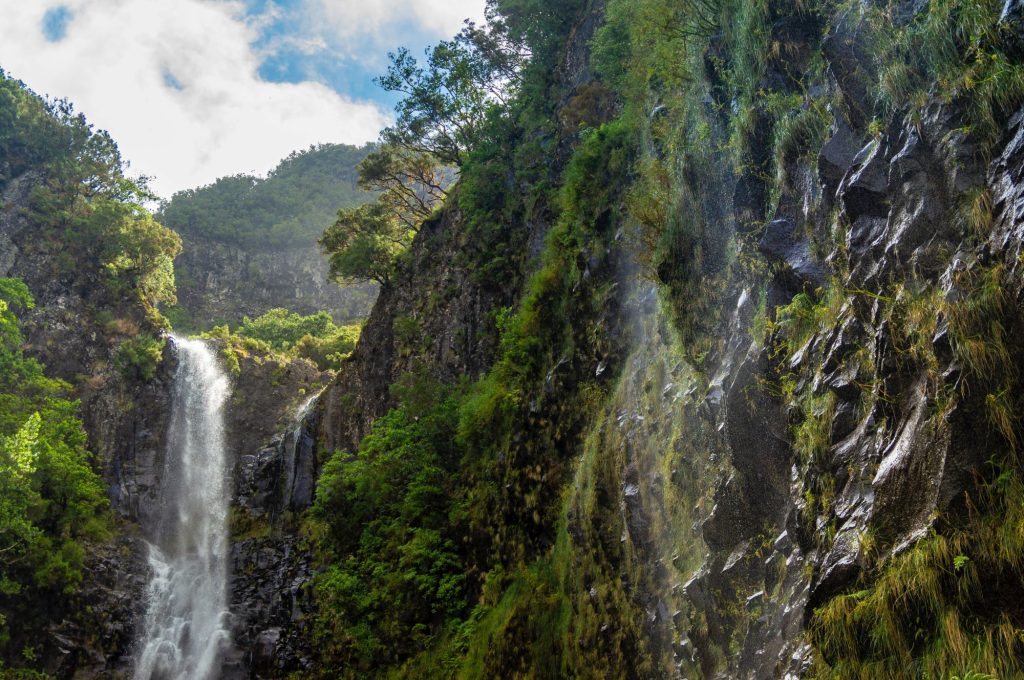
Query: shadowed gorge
pixel 694 352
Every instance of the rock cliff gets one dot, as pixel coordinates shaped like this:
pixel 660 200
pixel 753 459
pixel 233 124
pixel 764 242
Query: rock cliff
pixel 221 283
pixel 737 361
pixel 804 397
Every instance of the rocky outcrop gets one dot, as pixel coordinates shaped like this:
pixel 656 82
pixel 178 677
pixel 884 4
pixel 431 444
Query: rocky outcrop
pixel 889 466
pixel 775 524
pixel 451 334
pixel 271 565
pixel 222 283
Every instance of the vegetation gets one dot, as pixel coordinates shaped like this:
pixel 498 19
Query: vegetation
pixel 446 104
pixel 956 50
pixel 393 576
pixel 694 96
pixel 483 529
pixel 290 335
pixel 365 243
pixel 943 608
pixel 51 502
pixel 289 207
pixel 88 215
pixel 391 521
pixel 460 101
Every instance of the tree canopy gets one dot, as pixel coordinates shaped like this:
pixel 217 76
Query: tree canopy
pixel 364 243
pixel 447 100
pixel 87 212
pixel 290 206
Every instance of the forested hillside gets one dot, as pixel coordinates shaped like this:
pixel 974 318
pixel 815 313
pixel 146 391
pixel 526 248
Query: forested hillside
pixel 292 204
pixel 250 242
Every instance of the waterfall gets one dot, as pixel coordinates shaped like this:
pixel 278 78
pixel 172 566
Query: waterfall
pixel 187 619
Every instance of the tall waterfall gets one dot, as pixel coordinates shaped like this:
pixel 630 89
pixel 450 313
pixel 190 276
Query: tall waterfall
pixel 187 619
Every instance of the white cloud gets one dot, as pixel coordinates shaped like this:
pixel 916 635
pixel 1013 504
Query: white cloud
pixel 119 59
pixel 376 18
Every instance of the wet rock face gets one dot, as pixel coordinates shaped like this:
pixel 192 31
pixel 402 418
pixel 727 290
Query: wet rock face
pixel 270 599
pixel 889 466
pixel 1006 177
pixel 271 569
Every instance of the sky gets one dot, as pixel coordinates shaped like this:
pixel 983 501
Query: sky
pixel 193 90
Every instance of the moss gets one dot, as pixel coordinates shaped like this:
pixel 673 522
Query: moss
pixel 244 526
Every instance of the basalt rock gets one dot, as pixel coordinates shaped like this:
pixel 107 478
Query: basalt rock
pixel 222 283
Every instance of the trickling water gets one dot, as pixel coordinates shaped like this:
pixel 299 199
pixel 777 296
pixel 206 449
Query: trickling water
pixel 187 619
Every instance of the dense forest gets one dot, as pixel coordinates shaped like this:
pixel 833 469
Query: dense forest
pixel 250 242
pixel 696 353
pixel 291 205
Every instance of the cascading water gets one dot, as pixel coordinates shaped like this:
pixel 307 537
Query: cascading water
pixel 187 619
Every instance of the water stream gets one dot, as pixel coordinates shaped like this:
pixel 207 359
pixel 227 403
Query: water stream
pixel 187 624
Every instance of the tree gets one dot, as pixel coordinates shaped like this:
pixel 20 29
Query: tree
pixel 83 200
pixel 50 498
pixel 446 103
pixel 139 250
pixel 364 243
pixel 281 328
pixel 410 185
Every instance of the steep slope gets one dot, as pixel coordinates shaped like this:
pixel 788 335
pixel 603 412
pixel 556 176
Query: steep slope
pixel 736 302
pixel 249 243
pixel 95 264
pixel 709 367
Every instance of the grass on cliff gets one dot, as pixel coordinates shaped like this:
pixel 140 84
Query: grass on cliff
pixel 950 605
pixel 956 49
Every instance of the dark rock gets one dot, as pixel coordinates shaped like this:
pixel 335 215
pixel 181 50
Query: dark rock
pixel 865 229
pixel 837 155
pixel 844 421
pixel 941 344
pixel 848 49
pixel 863 191
pixel 1012 14
pixel 783 243
pixel 840 567
pixel 265 651
pixel 911 473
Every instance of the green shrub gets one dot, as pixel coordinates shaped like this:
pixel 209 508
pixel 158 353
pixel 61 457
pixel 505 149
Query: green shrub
pixel 50 498
pixel 289 335
pixel 140 357
pixel 393 576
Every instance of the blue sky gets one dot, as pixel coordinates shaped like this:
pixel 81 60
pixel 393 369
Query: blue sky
pixel 297 51
pixel 196 89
